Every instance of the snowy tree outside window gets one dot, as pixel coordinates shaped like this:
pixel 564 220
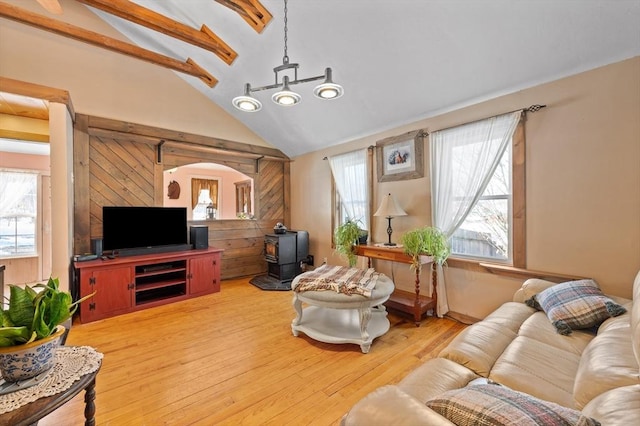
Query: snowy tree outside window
pixel 18 213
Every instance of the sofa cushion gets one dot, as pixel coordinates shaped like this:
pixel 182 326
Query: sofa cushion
pixel 510 315
pixel 575 305
pixel 537 327
pixel 607 362
pixel 478 346
pixel 490 404
pixel 539 369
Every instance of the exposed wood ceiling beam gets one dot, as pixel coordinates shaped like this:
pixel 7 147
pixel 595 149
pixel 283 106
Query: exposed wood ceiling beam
pixel 251 11
pixel 62 28
pixel 51 6
pixel 205 38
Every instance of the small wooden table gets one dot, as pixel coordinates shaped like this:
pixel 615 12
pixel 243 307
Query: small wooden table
pixel 404 301
pixel 29 414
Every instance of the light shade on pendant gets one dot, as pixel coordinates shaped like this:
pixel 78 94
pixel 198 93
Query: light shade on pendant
pixel 246 102
pixel 286 97
pixel 328 90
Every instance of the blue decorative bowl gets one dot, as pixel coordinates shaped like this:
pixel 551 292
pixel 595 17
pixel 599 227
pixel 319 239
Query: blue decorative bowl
pixel 23 362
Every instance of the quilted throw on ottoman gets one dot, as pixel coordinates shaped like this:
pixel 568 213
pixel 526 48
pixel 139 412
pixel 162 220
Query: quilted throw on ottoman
pixel 340 279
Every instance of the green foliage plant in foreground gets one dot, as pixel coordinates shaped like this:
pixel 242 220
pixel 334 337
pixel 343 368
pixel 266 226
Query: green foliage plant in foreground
pixel 33 313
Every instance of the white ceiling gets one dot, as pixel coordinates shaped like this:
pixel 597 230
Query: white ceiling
pixel 399 61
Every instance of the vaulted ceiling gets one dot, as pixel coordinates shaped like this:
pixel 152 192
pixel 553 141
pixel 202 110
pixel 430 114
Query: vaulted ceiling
pixel 399 61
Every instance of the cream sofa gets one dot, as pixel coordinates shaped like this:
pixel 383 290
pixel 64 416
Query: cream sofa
pixel 518 347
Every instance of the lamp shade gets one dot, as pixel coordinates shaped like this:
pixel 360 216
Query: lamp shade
pixel 286 97
pixel 389 208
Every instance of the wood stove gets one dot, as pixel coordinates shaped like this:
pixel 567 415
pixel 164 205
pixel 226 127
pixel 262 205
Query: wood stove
pixel 284 253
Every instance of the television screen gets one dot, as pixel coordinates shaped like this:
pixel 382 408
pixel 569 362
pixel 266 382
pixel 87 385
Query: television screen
pixel 143 227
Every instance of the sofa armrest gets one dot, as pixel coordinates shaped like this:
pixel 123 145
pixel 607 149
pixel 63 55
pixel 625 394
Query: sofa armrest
pixel 615 407
pixel 388 405
pixel 531 287
pixel 435 376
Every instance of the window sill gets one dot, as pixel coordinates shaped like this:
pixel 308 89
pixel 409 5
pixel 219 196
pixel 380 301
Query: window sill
pixel 508 271
pixel 18 256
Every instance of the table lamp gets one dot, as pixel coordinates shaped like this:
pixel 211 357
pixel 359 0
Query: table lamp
pixel 389 208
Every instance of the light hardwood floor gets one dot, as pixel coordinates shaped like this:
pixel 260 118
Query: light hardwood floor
pixel 230 359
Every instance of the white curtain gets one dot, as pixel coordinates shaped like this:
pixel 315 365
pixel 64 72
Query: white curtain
pixel 463 160
pixel 14 186
pixel 350 175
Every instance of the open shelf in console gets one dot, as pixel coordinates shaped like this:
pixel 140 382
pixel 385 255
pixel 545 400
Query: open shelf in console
pixel 160 280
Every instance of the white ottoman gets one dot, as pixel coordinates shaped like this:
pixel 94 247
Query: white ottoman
pixel 333 317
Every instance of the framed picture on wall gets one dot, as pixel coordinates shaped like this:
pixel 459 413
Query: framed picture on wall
pixel 401 157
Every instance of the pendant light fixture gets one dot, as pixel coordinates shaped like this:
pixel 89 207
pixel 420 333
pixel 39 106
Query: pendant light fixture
pixel 285 96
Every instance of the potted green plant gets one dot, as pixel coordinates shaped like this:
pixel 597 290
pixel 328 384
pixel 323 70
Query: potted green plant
pixel 346 236
pixel 429 241
pixel 31 328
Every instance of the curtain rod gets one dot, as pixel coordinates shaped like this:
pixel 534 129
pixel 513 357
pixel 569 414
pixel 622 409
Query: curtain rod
pixel 370 147
pixel 532 108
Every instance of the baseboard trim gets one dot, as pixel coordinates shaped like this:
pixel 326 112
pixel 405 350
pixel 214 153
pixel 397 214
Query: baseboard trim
pixel 464 319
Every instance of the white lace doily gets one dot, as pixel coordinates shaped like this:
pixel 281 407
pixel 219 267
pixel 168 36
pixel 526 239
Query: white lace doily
pixel 71 362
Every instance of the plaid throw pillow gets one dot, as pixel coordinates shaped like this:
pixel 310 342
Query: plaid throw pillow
pixel 575 305
pixel 495 405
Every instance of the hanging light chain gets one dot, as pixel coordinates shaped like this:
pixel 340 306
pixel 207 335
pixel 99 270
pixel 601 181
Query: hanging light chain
pixel 285 58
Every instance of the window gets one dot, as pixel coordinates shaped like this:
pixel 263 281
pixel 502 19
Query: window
pixel 351 180
pixel 477 186
pixel 18 213
pixel 486 231
pixel 243 198
pixel 204 199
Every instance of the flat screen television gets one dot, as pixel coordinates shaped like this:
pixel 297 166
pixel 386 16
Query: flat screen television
pixel 138 230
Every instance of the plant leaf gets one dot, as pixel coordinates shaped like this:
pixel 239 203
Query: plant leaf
pixel 60 306
pixel 21 309
pixel 11 336
pixel 40 326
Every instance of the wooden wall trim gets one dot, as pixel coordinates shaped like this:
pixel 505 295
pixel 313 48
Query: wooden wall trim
pixel 508 271
pixel 38 91
pixel 81 216
pixel 286 196
pixel 135 130
pixel 518 202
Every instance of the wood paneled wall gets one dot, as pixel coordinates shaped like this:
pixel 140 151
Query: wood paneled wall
pixel 119 163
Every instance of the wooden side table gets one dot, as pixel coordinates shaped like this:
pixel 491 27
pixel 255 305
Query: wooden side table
pixel 75 369
pixel 30 414
pixel 404 301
